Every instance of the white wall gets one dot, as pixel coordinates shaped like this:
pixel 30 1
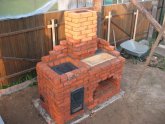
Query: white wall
pixel 72 4
pixel 63 4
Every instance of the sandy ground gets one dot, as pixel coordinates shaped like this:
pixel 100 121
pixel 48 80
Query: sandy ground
pixel 144 106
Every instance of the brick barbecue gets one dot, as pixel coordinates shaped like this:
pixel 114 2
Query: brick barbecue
pixel 80 73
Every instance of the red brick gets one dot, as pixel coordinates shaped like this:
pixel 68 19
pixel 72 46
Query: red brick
pixel 56 88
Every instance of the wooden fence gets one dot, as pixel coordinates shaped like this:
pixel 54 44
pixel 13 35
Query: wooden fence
pixel 123 22
pixel 30 39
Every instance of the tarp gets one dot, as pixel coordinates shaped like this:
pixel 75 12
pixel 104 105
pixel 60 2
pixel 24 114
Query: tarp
pixel 42 9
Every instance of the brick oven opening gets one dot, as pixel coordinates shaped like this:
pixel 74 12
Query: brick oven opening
pixel 64 68
pixel 77 100
pixel 105 86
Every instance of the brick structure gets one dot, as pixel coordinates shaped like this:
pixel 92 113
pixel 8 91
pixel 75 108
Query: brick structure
pixel 97 5
pixel 66 93
pixel 80 31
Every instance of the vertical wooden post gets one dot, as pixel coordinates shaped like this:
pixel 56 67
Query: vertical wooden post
pixel 52 26
pixel 109 26
pixel 135 28
pixel 2 69
pixel 163 24
pixel 154 14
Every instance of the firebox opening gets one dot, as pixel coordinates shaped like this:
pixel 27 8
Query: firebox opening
pixel 77 100
pixel 104 87
pixel 64 68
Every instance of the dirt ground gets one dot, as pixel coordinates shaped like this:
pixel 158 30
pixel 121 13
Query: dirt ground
pixel 146 106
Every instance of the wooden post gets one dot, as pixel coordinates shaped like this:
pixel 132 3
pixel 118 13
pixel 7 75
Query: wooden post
pixel 147 15
pixel 2 71
pixel 154 13
pixel 109 26
pixel 164 31
pixel 135 28
pixel 53 26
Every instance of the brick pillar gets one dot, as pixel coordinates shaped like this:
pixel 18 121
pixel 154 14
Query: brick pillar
pixel 80 26
pixel 97 5
pixel 80 31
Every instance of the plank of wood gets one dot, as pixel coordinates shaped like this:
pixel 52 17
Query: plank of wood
pixel 21 31
pixel 20 59
pixel 18 73
pixel 150 18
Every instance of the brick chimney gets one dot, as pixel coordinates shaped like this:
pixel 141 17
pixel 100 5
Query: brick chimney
pixel 80 31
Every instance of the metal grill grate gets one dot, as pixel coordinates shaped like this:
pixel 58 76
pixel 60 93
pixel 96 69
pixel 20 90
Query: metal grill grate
pixel 64 68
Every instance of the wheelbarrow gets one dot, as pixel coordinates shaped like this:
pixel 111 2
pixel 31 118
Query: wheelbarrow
pixel 134 49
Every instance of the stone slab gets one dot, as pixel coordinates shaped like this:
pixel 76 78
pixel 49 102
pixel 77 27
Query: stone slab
pixel 160 51
pixel 49 120
pixel 98 59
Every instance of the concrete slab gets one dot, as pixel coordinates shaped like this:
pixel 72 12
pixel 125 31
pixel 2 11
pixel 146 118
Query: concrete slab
pixel 16 88
pixel 49 120
pixel 98 59
pixel 162 46
pixel 160 51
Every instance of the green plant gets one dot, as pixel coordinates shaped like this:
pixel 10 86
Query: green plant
pixel 23 78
